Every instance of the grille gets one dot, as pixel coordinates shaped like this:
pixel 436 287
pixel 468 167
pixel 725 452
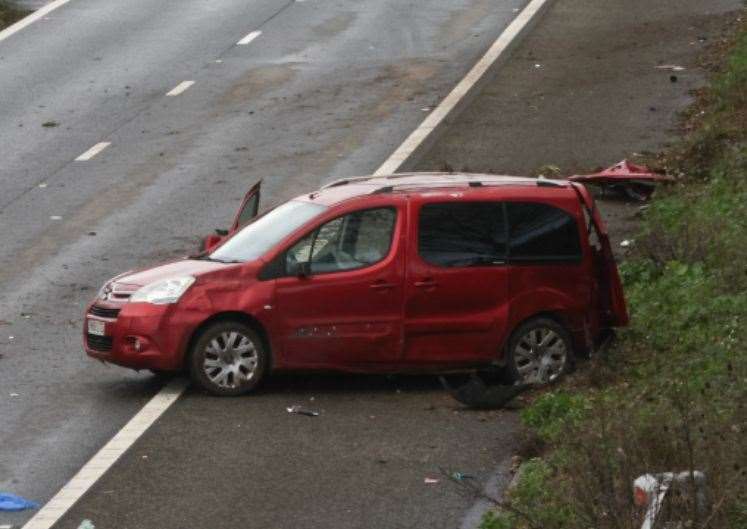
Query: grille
pixel 103 312
pixel 99 343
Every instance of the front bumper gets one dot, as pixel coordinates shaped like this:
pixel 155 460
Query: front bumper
pixel 137 335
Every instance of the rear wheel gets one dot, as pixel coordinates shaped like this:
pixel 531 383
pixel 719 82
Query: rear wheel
pixel 539 352
pixel 228 359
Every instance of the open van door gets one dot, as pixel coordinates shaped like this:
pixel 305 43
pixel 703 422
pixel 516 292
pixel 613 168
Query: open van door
pixel 248 210
pixel 246 213
pixel 614 312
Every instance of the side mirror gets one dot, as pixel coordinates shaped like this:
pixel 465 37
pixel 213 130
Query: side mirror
pixel 301 270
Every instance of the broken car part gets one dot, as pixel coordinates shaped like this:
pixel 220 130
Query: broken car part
pixel 635 181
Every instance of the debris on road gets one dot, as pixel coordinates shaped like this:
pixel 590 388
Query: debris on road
pixel 626 243
pixel 671 67
pixel 50 124
pixel 635 181
pixel 12 503
pixel 475 393
pixel 431 481
pixel 86 524
pixel 13 395
pixel 459 476
pixel 300 410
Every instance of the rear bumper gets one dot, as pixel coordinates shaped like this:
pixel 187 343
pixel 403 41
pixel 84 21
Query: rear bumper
pixel 140 336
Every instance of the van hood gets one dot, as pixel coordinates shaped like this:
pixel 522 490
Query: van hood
pixel 186 267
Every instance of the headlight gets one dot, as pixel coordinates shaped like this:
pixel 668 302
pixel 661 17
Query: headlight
pixel 163 292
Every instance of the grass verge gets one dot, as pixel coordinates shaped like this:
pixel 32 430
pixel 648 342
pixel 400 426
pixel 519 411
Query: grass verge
pixel 9 13
pixel 672 394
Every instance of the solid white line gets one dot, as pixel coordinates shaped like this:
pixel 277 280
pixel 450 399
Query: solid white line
pixel 30 19
pixel 250 37
pixel 106 457
pixel 180 88
pixel 93 151
pixel 435 118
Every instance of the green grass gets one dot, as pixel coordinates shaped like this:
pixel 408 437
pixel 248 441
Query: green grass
pixel 672 393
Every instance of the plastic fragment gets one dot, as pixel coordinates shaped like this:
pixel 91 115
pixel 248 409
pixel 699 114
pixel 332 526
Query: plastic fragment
pixel 459 476
pixel 431 481
pixel 12 503
pixel 86 524
pixel 671 67
pixel 626 243
pixel 300 410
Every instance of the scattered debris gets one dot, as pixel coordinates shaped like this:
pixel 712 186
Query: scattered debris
pixel 13 395
pixel 12 503
pixel 650 491
pixel 86 524
pixel 537 65
pixel 50 124
pixel 635 181
pixel 55 217
pixel 671 67
pixel 300 410
pixel 475 393
pixel 431 481
pixel 458 476
pixel 43 185
pixel 626 243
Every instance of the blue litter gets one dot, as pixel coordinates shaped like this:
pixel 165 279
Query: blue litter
pixel 11 502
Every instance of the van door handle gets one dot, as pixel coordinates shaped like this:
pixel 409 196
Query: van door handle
pixel 426 283
pixel 382 285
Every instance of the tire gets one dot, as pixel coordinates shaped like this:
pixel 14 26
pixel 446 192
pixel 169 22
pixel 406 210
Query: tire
pixel 228 359
pixel 539 352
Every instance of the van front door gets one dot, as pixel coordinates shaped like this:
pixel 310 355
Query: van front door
pixel 340 302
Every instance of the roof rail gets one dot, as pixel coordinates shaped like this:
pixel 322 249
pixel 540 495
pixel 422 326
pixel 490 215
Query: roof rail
pixel 546 182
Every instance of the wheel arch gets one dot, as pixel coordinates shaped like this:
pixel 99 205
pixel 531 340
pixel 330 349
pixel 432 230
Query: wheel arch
pixel 237 316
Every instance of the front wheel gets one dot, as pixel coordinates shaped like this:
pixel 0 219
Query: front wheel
pixel 228 359
pixel 539 352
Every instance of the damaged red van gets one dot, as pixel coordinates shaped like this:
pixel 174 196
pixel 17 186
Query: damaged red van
pixel 386 274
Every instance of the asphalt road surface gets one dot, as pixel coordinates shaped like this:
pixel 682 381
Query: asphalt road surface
pixel 328 89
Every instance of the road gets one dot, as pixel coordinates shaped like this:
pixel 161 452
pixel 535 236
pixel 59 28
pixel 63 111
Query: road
pixel 328 89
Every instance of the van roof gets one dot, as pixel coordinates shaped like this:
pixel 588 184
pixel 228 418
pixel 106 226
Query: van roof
pixel 347 188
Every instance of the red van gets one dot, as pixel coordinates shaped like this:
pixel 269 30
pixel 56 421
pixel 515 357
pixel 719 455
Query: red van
pixel 404 273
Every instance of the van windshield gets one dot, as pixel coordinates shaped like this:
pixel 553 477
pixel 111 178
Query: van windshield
pixel 260 236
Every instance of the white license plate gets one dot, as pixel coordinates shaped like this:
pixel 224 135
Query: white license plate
pixel 96 327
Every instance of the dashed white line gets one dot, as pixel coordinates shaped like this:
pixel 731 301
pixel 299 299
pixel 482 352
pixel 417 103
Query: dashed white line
pixel 33 17
pixel 93 151
pixel 250 37
pixel 106 457
pixel 510 36
pixel 180 88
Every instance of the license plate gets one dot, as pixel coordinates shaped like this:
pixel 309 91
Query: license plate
pixel 96 327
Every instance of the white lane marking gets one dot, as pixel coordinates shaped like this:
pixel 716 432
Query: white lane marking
pixel 93 151
pixel 250 37
pixel 180 88
pixel 517 27
pixel 106 457
pixel 30 19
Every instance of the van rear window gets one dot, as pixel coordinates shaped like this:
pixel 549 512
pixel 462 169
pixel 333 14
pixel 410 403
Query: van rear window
pixel 540 232
pixel 456 234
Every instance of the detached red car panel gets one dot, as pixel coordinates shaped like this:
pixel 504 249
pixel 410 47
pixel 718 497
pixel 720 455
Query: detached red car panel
pixel 407 273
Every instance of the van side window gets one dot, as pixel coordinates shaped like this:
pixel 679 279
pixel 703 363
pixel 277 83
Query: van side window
pixel 540 232
pixel 456 234
pixel 349 242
